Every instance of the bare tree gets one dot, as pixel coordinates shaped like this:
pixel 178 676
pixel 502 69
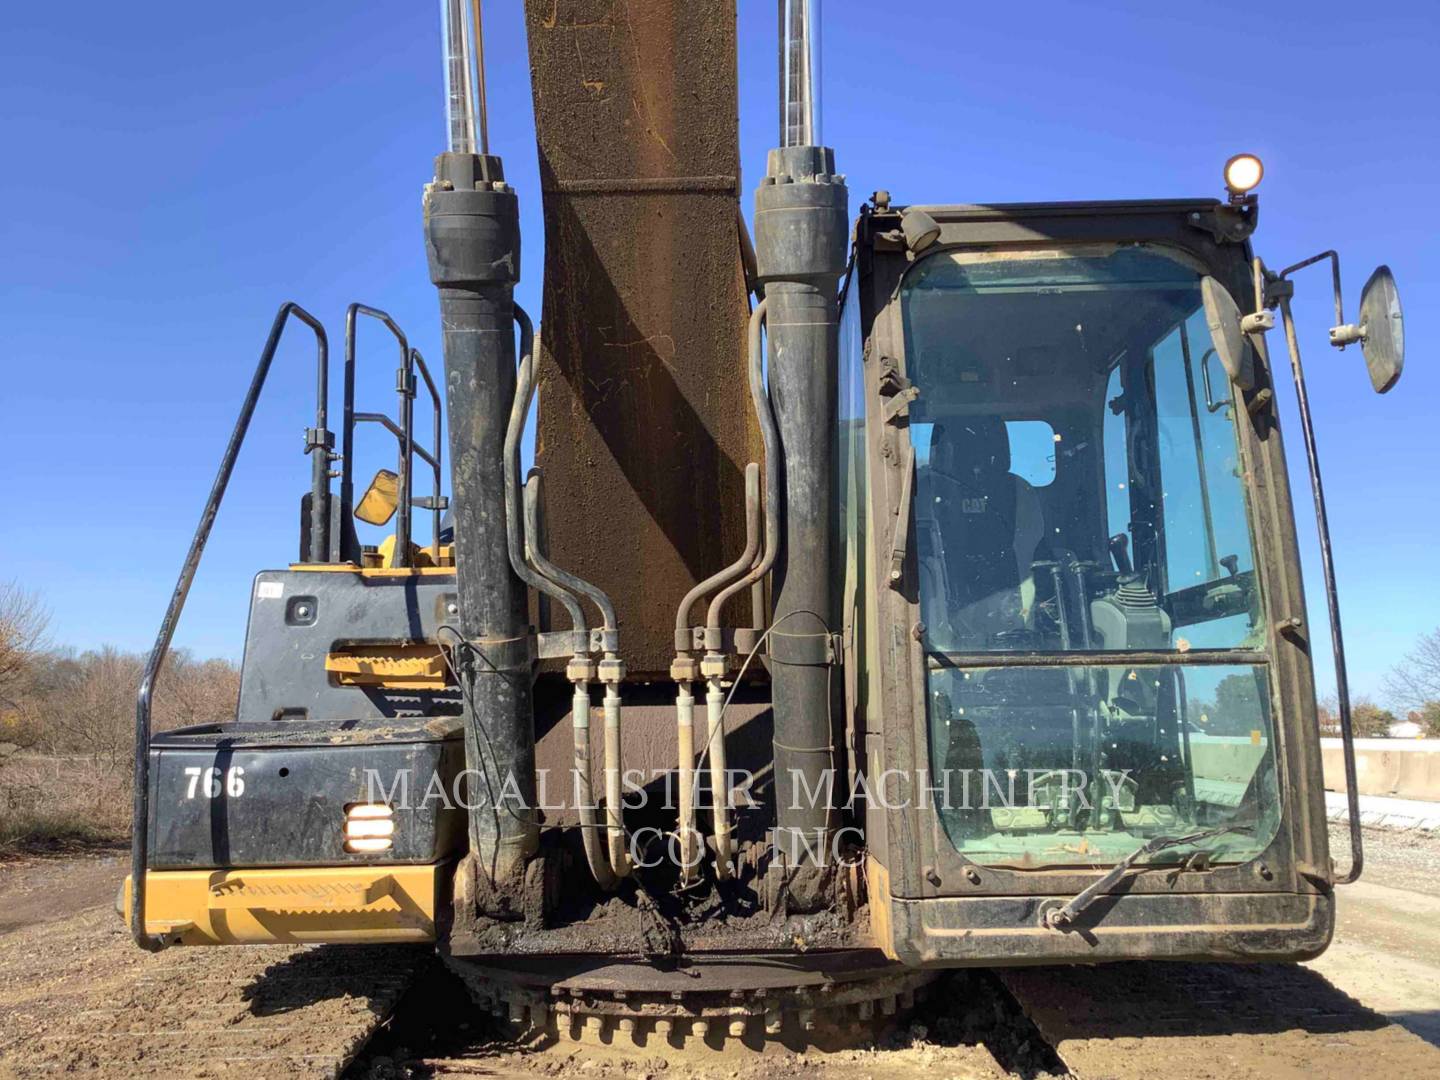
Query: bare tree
pixel 1416 679
pixel 23 621
pixel 86 704
pixel 193 691
pixel 1328 708
pixel 92 709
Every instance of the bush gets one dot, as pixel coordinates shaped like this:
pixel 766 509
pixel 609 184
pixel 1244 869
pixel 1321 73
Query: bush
pixel 1369 720
pixel 50 804
pixel 1428 717
pixel 69 722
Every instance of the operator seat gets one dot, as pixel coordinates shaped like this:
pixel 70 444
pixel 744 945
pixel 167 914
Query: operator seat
pixel 990 523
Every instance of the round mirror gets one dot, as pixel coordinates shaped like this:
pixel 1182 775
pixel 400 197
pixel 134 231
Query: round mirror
pixel 1222 316
pixel 1383 328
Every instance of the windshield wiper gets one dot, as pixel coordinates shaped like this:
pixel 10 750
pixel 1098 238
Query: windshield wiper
pixel 1061 917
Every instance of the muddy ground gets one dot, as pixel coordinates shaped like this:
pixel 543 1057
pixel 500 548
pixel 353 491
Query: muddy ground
pixel 76 998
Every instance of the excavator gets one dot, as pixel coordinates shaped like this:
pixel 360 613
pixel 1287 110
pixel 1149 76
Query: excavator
pixel 888 594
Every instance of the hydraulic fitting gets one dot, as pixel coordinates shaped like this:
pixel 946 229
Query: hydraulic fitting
pixel 612 670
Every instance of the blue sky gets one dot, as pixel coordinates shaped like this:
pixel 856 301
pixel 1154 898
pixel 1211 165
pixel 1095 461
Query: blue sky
pixel 174 171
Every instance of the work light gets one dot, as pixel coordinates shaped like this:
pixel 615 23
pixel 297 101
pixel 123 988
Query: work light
pixel 1242 173
pixel 369 827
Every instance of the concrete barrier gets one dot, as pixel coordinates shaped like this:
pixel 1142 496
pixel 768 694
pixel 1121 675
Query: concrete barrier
pixel 1402 768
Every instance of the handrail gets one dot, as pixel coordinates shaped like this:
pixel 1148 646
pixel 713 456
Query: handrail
pixel 320 445
pixel 395 429
pixel 1332 596
pixel 140 837
pixel 404 380
pixel 435 458
pixel 403 434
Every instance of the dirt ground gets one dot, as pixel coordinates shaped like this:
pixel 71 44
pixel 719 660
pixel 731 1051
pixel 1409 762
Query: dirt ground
pixel 45 890
pixel 1386 951
pixel 77 998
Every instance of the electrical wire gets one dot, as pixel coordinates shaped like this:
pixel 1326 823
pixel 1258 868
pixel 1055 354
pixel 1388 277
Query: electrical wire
pixel 735 685
pixel 480 730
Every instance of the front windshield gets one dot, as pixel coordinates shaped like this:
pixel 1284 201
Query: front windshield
pixel 1079 489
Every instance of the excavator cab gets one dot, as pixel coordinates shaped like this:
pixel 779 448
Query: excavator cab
pixel 1076 590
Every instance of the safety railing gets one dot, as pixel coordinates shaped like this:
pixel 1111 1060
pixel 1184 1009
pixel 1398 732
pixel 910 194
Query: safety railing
pixel 318 442
pixel 410 361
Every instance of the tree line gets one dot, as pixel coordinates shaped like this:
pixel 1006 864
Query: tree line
pixel 62 701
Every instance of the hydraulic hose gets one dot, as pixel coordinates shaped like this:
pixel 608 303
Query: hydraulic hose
pixel 581 667
pixel 685 831
pixel 735 569
pixel 514 510
pixel 685 701
pixel 760 398
pixel 595 854
pixel 714 698
pixel 612 671
pixel 719 788
pixel 746 562
pixel 614 808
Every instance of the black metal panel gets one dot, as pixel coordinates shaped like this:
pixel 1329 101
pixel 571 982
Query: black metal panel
pixel 230 796
pixel 985 931
pixel 298 616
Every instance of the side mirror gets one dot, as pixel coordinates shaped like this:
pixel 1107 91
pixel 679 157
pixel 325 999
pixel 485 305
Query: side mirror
pixel 377 505
pixel 1382 329
pixel 1222 316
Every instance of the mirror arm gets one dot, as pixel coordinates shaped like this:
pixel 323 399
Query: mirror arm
pixel 1342 333
pixel 1334 258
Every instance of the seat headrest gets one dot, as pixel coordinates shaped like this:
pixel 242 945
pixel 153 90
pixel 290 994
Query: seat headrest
pixel 971 445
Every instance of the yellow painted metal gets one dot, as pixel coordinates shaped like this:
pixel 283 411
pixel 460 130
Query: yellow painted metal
pixel 395 667
pixel 378 571
pixel 387 554
pixel 877 890
pixel 342 904
pixel 420 557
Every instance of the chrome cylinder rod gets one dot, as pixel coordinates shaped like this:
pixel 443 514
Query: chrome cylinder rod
pixel 464 77
pixel 481 111
pixel 799 72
